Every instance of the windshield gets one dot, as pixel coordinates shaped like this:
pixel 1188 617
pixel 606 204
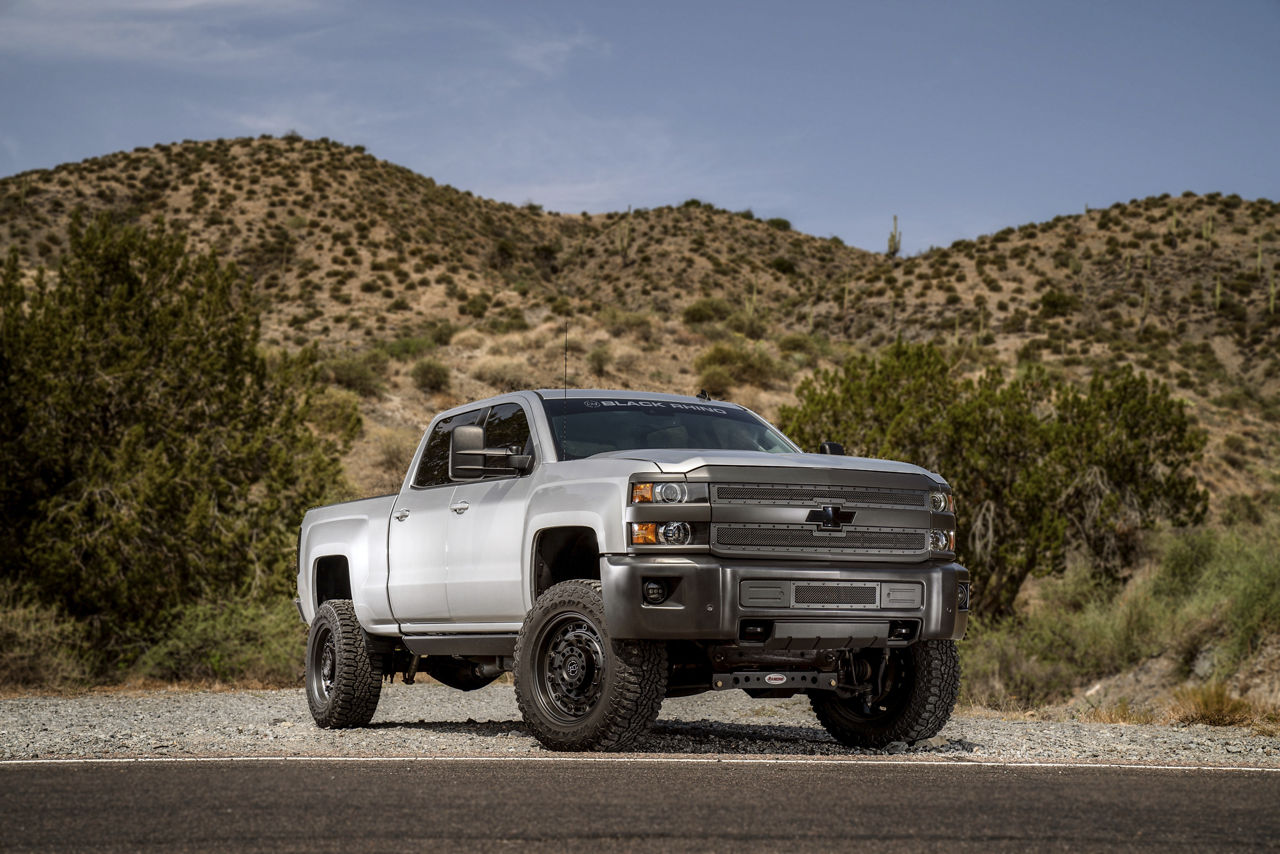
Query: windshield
pixel 586 426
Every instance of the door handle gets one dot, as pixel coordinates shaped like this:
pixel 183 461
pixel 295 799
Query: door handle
pixel 460 507
pixel 402 514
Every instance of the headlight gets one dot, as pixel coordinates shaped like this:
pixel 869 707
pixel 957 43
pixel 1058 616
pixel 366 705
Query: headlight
pixel 667 492
pixel 942 502
pixel 661 533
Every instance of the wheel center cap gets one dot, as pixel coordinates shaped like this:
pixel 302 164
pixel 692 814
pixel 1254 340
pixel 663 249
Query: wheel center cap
pixel 573 666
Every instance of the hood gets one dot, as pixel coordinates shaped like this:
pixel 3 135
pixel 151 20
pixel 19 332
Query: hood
pixel 681 461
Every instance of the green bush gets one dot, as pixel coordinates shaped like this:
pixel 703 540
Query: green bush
pixel 40 645
pixel 1212 590
pixel 151 455
pixel 430 375
pixel 362 373
pixel 336 412
pixel 598 359
pixel 232 640
pixel 715 380
pixel 783 265
pixel 1040 467
pixel 508 319
pixel 741 364
pixel 779 223
pixel 707 310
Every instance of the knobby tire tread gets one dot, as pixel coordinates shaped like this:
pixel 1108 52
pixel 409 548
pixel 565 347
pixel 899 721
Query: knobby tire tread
pixel 639 677
pixel 936 677
pixel 357 682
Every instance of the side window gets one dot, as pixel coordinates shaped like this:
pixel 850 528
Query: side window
pixel 433 470
pixel 508 428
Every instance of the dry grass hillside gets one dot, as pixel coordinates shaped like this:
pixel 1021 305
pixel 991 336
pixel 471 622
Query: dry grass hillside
pixel 420 296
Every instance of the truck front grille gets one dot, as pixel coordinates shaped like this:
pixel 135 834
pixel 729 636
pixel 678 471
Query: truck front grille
pixel 806 538
pixel 814 494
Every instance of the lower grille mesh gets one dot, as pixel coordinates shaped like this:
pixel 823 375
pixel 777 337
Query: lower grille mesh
pixel 843 594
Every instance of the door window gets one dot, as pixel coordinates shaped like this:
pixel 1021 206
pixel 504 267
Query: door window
pixel 433 469
pixel 508 428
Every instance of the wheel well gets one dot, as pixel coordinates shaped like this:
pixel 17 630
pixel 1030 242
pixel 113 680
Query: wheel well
pixel 333 579
pixel 564 553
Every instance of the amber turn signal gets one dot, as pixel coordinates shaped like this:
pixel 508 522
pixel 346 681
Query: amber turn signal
pixel 644 533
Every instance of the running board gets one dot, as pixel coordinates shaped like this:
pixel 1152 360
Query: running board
pixel 460 644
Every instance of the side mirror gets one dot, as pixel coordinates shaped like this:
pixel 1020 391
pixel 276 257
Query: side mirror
pixel 833 448
pixel 468 457
pixel 466 453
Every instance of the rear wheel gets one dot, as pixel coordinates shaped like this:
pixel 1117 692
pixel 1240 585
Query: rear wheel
pixel 577 688
pixel 343 679
pixel 921 683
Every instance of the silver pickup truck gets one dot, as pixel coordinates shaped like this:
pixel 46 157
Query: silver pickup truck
pixel 614 548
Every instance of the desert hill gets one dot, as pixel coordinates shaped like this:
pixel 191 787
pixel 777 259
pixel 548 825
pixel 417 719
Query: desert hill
pixel 422 295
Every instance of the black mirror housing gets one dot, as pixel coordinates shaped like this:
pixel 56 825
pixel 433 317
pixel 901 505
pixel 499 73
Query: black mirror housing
pixel 466 453
pixel 833 448
pixel 468 457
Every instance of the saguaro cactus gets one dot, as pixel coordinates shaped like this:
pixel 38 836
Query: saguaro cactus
pixel 895 239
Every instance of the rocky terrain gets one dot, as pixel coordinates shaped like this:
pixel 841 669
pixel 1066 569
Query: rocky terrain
pixel 431 720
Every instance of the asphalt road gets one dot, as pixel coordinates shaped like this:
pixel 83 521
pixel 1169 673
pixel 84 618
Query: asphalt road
pixel 629 805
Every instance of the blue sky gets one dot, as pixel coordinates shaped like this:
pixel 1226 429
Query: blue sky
pixel 959 117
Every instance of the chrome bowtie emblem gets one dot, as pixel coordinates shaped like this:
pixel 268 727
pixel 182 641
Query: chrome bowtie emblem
pixel 830 517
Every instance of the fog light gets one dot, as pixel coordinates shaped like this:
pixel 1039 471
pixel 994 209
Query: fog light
pixel 655 592
pixel 675 533
pixel 962 596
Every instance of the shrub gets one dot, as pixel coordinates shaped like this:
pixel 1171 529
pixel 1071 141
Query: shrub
pixel 507 319
pixel 1041 467
pixel 707 310
pixel 336 412
pixel 502 374
pixel 230 640
pixel 598 359
pixel 746 365
pixel 779 223
pixel 361 373
pixel 716 380
pixel 430 375
pixel 783 265
pixel 151 451
pixel 40 645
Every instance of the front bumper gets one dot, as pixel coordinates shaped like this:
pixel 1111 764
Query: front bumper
pixel 790 601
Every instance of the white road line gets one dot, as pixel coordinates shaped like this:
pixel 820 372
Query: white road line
pixel 685 760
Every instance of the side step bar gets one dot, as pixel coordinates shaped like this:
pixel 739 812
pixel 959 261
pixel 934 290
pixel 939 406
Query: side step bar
pixel 504 645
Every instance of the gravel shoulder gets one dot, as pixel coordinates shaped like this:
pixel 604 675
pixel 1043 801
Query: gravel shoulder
pixel 432 720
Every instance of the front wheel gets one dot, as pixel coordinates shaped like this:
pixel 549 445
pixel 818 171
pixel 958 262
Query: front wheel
pixel 577 688
pixel 343 679
pixel 921 683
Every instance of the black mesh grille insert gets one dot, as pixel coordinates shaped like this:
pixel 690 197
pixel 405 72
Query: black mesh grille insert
pixel 750 493
pixel 803 538
pixel 843 594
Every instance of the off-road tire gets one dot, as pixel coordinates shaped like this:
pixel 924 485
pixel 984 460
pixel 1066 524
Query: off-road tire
pixel 455 672
pixel 343 679
pixel 576 687
pixel 917 704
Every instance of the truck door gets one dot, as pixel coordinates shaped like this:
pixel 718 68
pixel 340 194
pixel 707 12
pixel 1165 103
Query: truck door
pixel 416 544
pixel 487 531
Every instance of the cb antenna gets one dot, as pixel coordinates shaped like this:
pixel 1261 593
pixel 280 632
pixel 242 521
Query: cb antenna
pixel 564 415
